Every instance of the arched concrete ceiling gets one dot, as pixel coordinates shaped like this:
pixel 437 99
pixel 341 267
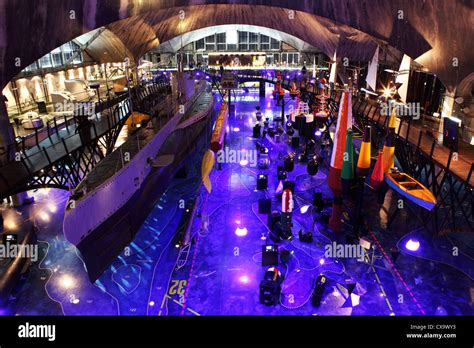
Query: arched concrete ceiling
pixel 164 25
pixel 106 47
pixel 433 32
pixel 177 42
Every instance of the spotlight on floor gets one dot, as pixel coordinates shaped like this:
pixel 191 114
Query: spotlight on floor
pixel 412 245
pixel 44 216
pixel 244 279
pixel 67 282
pixel 241 231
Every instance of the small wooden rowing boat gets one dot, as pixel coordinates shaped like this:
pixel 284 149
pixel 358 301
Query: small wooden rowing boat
pixel 137 117
pixel 411 189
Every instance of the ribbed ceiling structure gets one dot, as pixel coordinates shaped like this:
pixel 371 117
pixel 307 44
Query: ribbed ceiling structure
pixel 432 32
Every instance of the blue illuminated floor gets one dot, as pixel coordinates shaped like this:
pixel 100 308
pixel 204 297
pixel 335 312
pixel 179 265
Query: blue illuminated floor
pixel 223 270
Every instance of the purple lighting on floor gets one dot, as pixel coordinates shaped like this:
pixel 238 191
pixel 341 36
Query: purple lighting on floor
pixel 412 245
pixel 318 133
pixel 321 262
pixel 236 129
pixel 241 231
pixel 207 77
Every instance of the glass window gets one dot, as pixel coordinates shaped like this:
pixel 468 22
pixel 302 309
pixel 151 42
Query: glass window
pixel 243 47
pixel 253 37
pixel 210 39
pixel 231 47
pixel 57 57
pixel 210 47
pixel 243 36
pixel 221 38
pixel 264 39
pixel 253 47
pixel 296 58
pixel 274 44
pixel 67 56
pixel 221 47
pixel 32 66
pixel 72 49
pixel 45 61
pixel 200 44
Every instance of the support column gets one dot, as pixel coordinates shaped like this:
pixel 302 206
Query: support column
pixel 261 89
pixel 447 111
pixel 8 142
pixel 7 134
pixel 180 78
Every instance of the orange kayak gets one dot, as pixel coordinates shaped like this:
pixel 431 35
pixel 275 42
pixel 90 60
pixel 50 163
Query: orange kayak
pixel 411 189
pixel 138 117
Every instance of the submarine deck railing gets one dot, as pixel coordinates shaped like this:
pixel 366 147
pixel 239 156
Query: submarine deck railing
pixel 115 161
pixel 108 115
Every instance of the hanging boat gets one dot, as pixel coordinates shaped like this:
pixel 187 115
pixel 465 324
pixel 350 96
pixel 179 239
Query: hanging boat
pixel 411 189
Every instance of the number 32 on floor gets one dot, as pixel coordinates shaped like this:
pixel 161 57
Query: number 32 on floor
pixel 177 287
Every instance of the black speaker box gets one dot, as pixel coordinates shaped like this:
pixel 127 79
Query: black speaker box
pixel 273 218
pixel 262 182
pixel 318 200
pixel 269 255
pixel 256 131
pixel 264 206
pixel 295 141
pixel 281 173
pixel 300 123
pixel 289 163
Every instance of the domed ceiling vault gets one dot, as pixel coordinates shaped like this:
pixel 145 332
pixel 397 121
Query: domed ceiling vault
pixel 434 33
